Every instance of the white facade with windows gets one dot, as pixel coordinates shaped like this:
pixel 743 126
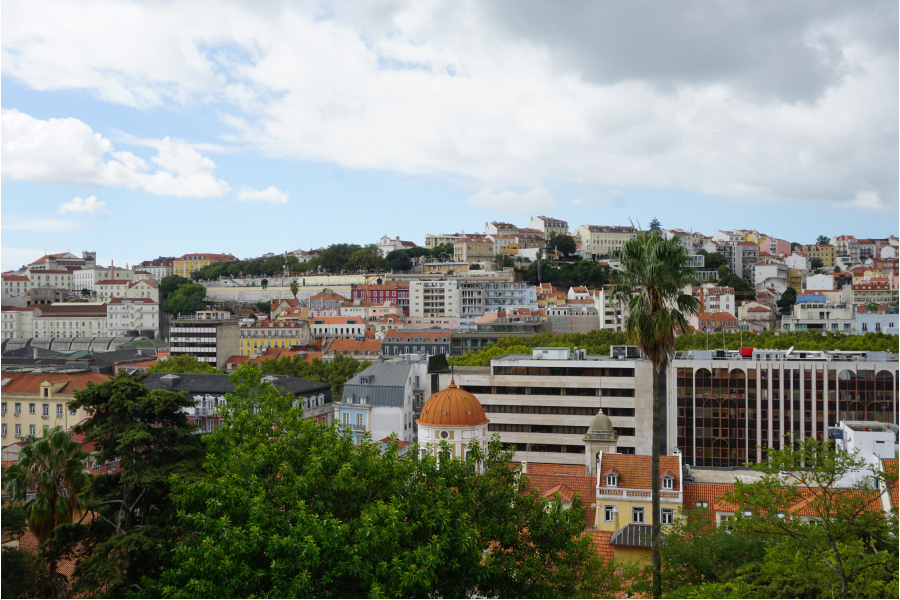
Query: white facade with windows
pixel 130 314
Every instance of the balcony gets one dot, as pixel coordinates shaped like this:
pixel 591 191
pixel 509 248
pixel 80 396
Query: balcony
pixel 636 494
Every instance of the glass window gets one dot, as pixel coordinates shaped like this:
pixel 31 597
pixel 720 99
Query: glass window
pixel 611 480
pixel 609 512
pixel 667 517
pixel 637 514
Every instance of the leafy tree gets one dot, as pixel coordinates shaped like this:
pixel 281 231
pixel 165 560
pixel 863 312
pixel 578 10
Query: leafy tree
pixel 564 244
pixel 15 519
pixel 295 287
pixel 741 287
pixel 794 246
pixel 310 513
pixel 816 263
pixel 712 260
pixel 85 292
pixel 697 552
pixel 475 267
pixel 442 252
pixel 367 258
pixel 170 283
pixel 654 225
pixel 872 307
pixel 335 257
pixel 335 372
pixel 28 576
pixel 149 437
pixel 787 301
pixel 186 300
pixel 849 545
pixel 823 239
pixel 504 260
pixel 654 273
pixel 263 306
pixel 181 363
pixel 52 467
pixel 723 272
pixel 837 268
pixel 398 260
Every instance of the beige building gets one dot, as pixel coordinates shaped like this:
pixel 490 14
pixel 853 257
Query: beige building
pixel 471 250
pixel 602 240
pixel 61 279
pixel 132 314
pixel 15 286
pixel 143 288
pixel 440 239
pixel 33 401
pixel 72 319
pixel 108 289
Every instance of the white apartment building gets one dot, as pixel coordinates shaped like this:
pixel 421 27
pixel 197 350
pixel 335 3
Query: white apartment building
pixel 820 316
pixel 543 403
pixel 157 269
pixel 107 289
pixel 434 298
pixel 602 240
pixel 87 278
pixel 548 225
pixel 71 319
pixel 132 314
pixel 15 286
pixel 60 279
pixel 715 298
pixel 18 322
pixel 143 288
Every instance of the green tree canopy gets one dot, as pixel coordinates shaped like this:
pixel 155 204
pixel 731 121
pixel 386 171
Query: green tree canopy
pixel 186 299
pixel 823 239
pixel 335 372
pixel 181 363
pixel 816 263
pixel 146 434
pixel 564 244
pixel 654 225
pixel 170 283
pixel 308 513
pixel 741 287
pixel 367 259
pixel 399 260
pixel 712 260
pixel 787 301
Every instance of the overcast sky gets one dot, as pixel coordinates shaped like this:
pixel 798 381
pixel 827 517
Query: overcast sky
pixel 140 129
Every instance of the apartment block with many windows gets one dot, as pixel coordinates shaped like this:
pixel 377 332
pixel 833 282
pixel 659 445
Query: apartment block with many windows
pixel 210 336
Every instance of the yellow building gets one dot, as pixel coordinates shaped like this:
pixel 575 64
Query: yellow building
pixel 603 240
pixel 824 252
pixel 445 267
pixel 189 263
pixel 33 401
pixel 474 250
pixel 256 337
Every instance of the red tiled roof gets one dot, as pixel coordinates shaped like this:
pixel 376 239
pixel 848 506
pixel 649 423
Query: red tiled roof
pixel 147 281
pixel 714 494
pixel 69 310
pixel 114 282
pixel 890 465
pixel 271 325
pixel 15 278
pixel 634 470
pixel 336 321
pixel 583 485
pixel 346 346
pixel 325 296
pixel 138 300
pixel 30 383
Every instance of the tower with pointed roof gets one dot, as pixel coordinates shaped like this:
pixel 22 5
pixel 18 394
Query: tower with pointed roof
pixel 600 437
pixel 454 416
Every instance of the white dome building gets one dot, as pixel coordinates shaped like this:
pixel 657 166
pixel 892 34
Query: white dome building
pixel 455 416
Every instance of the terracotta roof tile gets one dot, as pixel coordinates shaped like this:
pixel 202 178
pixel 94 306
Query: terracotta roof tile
pixel 583 485
pixel 634 470
pixel 30 383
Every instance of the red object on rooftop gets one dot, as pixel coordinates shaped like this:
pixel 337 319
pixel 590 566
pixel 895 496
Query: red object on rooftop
pixel 746 352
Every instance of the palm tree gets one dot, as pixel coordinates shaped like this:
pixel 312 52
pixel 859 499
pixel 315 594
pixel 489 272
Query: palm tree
pixel 52 469
pixel 649 288
pixel 295 287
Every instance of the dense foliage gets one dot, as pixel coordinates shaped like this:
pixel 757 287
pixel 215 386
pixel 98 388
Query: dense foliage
pixel 800 532
pixel 334 259
pixel 599 342
pixel 129 514
pixel 305 512
pixel 182 363
pixel 334 372
pixel 565 275
pixel 186 299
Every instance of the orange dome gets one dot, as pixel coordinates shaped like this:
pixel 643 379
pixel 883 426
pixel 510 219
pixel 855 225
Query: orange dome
pixel 452 407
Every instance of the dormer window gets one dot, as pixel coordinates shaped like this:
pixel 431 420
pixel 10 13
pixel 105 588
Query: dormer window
pixel 612 480
pixel 667 482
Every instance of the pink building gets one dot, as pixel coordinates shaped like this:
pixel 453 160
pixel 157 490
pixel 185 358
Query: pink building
pixel 774 246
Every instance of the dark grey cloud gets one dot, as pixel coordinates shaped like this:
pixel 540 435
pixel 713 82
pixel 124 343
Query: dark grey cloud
pixel 783 51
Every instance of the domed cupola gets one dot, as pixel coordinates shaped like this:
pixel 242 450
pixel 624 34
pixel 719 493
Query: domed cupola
pixel 454 416
pixel 452 407
pixel 600 437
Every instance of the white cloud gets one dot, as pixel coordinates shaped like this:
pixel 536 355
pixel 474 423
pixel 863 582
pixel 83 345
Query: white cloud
pixel 40 224
pixel 494 98
pixel 84 206
pixel 270 194
pixel 537 200
pixel 67 151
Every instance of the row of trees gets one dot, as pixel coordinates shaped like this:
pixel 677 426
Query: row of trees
pixel 304 512
pixel 599 342
pixel 334 259
pixel 563 276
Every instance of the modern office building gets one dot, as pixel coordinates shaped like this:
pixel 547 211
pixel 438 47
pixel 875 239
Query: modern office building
pixel 210 336
pixel 726 408
pixel 543 403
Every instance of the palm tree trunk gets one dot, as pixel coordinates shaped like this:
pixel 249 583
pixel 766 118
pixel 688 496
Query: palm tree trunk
pixel 658 433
